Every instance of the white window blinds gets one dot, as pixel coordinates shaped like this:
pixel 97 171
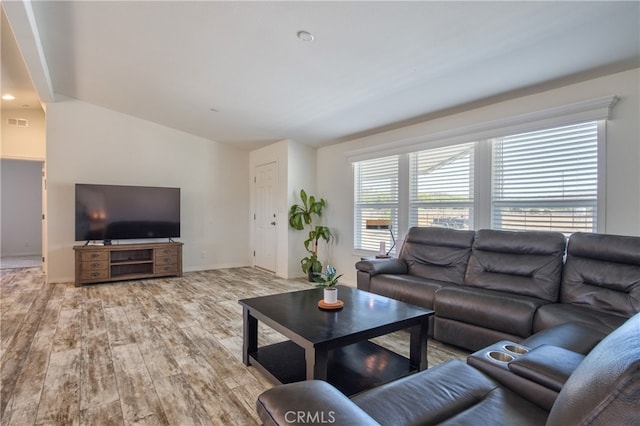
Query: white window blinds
pixel 546 180
pixel 376 197
pixel 441 187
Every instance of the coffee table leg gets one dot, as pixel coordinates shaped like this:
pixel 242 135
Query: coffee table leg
pixel 316 363
pixel 250 333
pixel 418 346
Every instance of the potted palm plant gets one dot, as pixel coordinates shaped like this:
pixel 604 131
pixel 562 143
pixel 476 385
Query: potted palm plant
pixel 301 215
pixel 328 280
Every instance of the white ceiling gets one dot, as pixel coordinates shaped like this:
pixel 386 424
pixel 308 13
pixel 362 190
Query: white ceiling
pixel 372 65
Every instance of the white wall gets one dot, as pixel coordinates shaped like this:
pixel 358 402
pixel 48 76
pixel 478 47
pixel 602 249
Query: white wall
pixel 90 144
pixel 23 143
pixel 301 175
pixel 21 204
pixel 622 161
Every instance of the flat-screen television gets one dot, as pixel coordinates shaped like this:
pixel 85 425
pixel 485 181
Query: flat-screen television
pixel 116 212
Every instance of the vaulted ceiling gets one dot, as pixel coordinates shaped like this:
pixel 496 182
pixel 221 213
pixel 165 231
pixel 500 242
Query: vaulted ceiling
pixel 237 72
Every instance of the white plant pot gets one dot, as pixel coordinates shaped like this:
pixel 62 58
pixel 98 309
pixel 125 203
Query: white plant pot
pixel 330 295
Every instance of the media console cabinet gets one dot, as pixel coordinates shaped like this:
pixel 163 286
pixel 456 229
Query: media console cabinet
pixel 105 263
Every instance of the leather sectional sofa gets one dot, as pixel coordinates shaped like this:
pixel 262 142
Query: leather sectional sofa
pixel 601 388
pixel 489 285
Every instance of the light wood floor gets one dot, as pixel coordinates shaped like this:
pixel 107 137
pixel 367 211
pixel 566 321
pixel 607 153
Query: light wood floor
pixel 164 351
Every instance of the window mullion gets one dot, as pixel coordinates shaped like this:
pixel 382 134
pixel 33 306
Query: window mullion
pixel 403 196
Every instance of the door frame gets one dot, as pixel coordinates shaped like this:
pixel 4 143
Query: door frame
pixel 44 218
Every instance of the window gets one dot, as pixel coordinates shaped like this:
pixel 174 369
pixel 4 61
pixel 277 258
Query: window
pixel 376 197
pixel 546 180
pixel 441 187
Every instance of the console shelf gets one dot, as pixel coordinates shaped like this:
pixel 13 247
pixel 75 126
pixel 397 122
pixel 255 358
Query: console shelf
pixel 96 264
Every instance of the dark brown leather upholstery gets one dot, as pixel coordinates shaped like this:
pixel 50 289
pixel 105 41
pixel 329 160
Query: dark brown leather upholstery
pixel 576 337
pixel 525 263
pixel 438 255
pixel 560 313
pixel 515 283
pixel 309 402
pixel 604 389
pixel 499 371
pixel 468 335
pixel 602 272
pixel 548 365
pixel 600 284
pixel 378 267
pixel 453 392
pixel 496 310
pixel 431 258
pixel 509 276
pixel 408 288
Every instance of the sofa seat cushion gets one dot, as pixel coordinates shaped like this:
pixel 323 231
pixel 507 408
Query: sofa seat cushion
pixel 496 310
pixel 576 337
pixel 559 313
pixel 407 288
pixel 450 393
pixel 466 335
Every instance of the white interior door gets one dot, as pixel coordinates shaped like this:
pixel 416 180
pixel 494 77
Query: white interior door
pixel 266 195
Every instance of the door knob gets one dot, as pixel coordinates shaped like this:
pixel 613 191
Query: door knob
pixel 273 223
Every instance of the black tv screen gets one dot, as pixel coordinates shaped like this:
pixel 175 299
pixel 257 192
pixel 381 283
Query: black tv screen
pixel 115 212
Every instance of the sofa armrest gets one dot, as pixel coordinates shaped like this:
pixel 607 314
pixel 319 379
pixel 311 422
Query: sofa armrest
pixel 311 402
pixel 365 269
pixel 382 266
pixel 547 365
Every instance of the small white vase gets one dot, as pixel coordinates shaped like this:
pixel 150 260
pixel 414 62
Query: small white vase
pixel 330 295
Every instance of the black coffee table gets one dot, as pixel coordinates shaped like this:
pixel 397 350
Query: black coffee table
pixel 333 345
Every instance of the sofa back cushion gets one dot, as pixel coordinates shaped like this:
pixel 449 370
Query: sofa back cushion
pixel 602 272
pixel 528 263
pixel 605 388
pixel 439 254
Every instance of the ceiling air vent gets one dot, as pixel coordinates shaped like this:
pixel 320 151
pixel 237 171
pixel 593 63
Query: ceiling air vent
pixel 18 122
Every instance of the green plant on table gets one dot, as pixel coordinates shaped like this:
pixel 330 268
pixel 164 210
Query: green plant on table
pixel 328 279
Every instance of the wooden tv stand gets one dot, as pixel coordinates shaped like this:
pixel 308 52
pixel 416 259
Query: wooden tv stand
pixel 105 263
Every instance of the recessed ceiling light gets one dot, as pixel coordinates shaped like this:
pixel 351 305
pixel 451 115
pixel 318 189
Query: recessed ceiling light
pixel 8 97
pixel 305 36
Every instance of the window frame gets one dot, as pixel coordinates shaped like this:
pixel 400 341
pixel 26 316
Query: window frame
pixel 361 243
pixel 558 138
pixel 446 153
pixel 483 168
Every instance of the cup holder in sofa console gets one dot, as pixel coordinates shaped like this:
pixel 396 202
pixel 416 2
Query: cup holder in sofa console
pixel 500 356
pixel 515 349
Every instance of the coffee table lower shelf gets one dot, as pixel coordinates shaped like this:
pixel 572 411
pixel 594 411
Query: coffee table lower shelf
pixel 351 368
